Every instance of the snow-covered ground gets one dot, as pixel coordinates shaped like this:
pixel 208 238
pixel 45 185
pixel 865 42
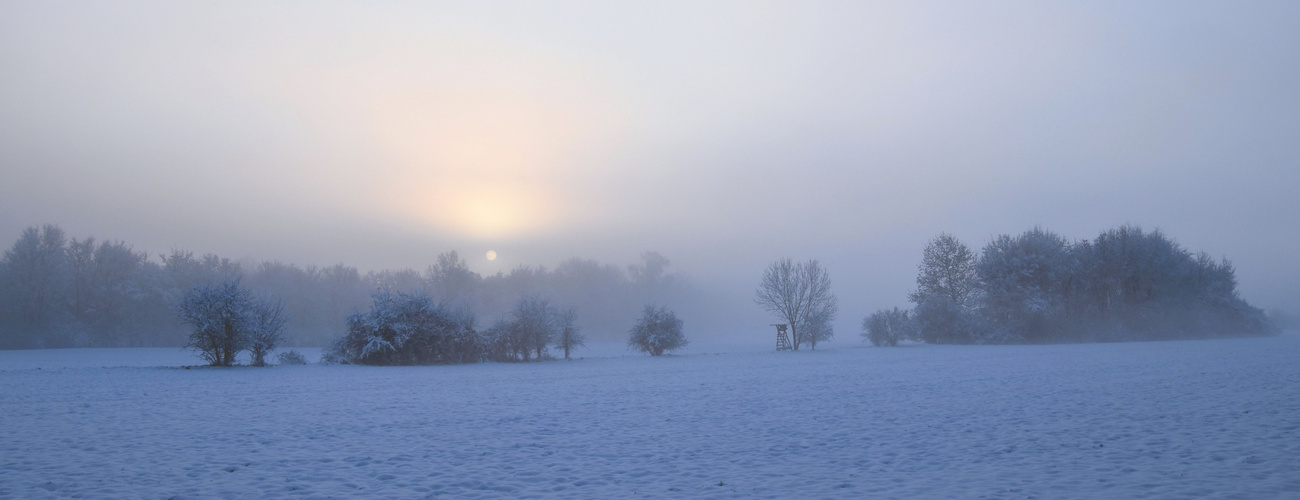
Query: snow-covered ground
pixel 1194 419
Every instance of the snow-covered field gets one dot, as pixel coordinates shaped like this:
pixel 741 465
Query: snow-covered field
pixel 1193 419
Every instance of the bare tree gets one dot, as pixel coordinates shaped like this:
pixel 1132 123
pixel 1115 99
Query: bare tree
pixel 798 293
pixel 570 336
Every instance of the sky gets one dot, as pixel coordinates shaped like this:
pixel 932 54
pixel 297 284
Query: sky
pixel 723 135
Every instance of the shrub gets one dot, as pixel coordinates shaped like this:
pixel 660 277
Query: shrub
pixel 658 331
pixel 291 358
pixel 887 327
pixel 408 329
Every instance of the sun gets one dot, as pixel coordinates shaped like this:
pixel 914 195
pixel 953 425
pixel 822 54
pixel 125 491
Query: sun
pixel 491 255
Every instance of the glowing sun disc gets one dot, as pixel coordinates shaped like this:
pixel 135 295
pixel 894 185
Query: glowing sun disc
pixel 492 255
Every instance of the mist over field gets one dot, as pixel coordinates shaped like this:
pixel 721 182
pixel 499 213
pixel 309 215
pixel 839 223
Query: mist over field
pixel 722 136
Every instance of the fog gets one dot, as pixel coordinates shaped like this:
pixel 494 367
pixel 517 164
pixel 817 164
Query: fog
pixel 723 135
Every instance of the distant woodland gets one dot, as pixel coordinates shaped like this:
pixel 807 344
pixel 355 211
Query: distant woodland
pixel 57 291
pixel 1038 287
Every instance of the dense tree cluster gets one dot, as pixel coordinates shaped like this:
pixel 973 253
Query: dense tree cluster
pixel 1126 284
pixel 412 329
pixel 526 334
pixel 57 292
pixel 81 293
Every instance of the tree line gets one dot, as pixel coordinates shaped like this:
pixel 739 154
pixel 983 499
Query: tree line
pixel 1038 287
pixel 57 291
pixel 226 319
pixel 412 329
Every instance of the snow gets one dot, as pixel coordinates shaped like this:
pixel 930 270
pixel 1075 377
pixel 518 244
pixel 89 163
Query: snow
pixel 1186 419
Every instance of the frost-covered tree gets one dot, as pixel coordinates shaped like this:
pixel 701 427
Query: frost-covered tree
pixel 534 320
pixel 1138 284
pixel 945 284
pixel 221 318
pixel 408 329
pixel 1025 283
pixel 657 331
pixel 817 327
pixel 947 271
pixel 569 336
pixel 527 333
pixel 887 327
pixel 266 330
pixel 942 322
pixel 500 343
pixel 797 293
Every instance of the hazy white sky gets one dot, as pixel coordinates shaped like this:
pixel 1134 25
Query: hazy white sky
pixel 723 135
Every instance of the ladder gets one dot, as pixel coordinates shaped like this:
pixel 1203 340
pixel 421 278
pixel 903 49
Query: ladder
pixel 782 340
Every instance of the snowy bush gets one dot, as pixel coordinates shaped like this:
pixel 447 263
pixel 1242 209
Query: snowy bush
pixel 291 358
pixel 657 331
pixel 887 327
pixel 408 329
pixel 226 318
pixel 332 357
